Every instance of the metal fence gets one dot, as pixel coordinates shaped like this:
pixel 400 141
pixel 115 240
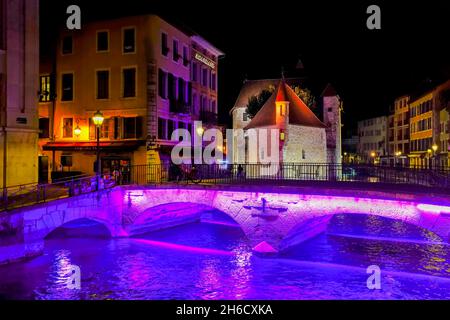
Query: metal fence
pixel 288 173
pixel 29 194
pixel 239 174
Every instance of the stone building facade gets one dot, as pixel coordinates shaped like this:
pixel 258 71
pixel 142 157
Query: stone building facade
pixel 372 145
pixel 303 137
pixel 147 76
pixel 19 70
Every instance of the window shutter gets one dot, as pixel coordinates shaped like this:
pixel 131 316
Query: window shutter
pixel 189 97
pixel 92 128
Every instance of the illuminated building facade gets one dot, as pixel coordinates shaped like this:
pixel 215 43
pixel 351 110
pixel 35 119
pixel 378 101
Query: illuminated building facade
pixel 398 133
pixel 19 69
pixel 137 71
pixel 372 145
pixel 421 127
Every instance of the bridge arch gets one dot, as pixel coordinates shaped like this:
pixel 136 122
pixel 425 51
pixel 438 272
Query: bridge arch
pixel 311 227
pixel 103 225
pixel 173 214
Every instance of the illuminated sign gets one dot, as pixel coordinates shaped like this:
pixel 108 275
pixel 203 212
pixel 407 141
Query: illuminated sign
pixel 205 60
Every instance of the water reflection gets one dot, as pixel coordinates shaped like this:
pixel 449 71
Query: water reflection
pixel 214 261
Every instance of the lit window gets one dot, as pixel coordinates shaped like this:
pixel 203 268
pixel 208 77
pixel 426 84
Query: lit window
pixel 67 127
pixel 44 89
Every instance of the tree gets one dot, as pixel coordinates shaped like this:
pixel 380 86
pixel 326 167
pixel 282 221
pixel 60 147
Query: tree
pixel 256 102
pixel 306 96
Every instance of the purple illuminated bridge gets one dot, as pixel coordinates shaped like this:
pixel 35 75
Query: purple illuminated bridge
pixel 272 218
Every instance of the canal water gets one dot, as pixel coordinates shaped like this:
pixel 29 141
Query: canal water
pixel 212 260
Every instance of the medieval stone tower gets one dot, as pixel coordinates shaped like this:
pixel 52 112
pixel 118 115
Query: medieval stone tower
pixel 332 108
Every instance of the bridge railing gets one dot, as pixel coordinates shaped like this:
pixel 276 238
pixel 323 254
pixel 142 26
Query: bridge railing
pixel 288 173
pixel 28 194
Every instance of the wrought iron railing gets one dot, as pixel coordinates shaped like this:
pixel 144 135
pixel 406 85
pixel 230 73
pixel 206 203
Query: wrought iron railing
pixel 290 174
pixel 29 194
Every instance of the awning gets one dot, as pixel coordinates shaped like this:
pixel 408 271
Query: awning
pixel 128 145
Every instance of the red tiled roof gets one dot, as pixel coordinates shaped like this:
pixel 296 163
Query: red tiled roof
pixel 281 93
pixel 254 87
pixel 299 113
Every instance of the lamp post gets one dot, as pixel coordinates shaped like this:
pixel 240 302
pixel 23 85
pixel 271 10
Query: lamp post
pixel 98 121
pixel 435 148
pixel 373 155
pixel 399 161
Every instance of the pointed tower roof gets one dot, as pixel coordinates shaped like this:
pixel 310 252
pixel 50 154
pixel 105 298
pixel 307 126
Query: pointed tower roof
pixel 299 113
pixel 329 91
pixel 281 94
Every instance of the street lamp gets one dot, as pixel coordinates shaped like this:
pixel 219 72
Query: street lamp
pixel 77 131
pixel 435 148
pixel 98 121
pixel 373 154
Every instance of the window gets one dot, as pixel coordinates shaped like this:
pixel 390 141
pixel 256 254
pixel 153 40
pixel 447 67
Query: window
pixel 44 128
pixel 162 84
pixel 175 54
pixel 67 45
pixel 129 82
pixel 170 127
pixel 103 84
pixel 162 129
pixel 204 77
pixel 172 86
pixel 164 46
pixel 105 128
pixel 67 127
pixel 129 40
pixel 194 76
pixel 245 116
pixel 213 106
pixel 132 128
pixel 102 41
pixel 213 81
pixel 194 103
pixel 44 90
pixel 185 56
pixel 66 160
pixel 303 154
pixel 67 87
pixel 181 90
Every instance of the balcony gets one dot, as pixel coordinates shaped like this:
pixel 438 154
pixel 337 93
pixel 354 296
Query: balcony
pixel 208 117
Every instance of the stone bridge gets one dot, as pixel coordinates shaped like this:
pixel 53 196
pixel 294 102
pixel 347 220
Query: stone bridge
pixel 272 218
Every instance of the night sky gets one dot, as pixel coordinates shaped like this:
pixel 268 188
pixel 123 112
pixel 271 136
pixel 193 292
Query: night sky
pixel 369 68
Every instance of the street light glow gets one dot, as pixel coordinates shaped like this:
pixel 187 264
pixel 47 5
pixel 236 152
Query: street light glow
pixel 98 118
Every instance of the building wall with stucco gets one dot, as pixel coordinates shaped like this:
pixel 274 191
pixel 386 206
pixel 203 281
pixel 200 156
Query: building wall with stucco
pixel 19 69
